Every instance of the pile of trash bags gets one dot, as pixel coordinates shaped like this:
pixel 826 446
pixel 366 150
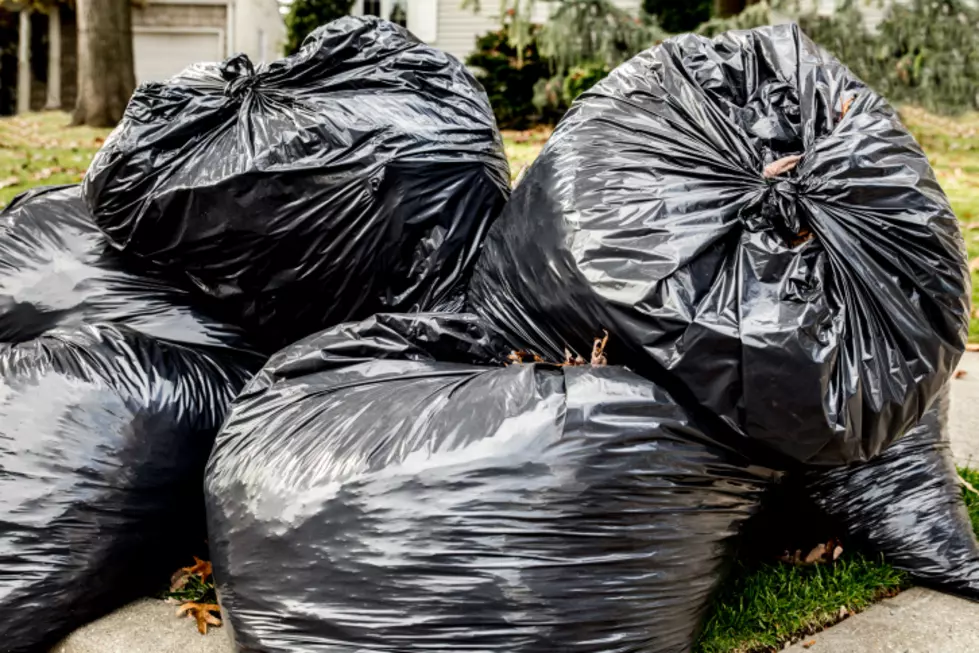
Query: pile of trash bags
pixel 514 424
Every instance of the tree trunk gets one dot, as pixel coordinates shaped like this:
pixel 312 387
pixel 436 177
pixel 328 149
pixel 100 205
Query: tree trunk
pixel 725 8
pixel 54 58
pixel 105 61
pixel 24 62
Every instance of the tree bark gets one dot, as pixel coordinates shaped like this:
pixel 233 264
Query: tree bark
pixel 105 61
pixel 725 8
pixel 54 58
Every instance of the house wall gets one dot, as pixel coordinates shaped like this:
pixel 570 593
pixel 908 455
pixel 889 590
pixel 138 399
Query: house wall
pixel 458 28
pixel 180 15
pixel 259 30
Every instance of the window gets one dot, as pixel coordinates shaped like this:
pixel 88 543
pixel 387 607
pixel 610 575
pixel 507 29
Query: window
pixel 372 7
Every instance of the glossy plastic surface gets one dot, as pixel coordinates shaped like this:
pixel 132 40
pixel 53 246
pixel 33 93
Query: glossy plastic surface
pixel 57 270
pixel 817 312
pixel 358 175
pixel 907 504
pixel 104 434
pixel 374 491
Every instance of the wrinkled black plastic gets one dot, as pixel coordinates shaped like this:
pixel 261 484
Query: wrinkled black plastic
pixel 907 504
pixel 365 495
pixel 57 270
pixel 104 434
pixel 818 312
pixel 358 175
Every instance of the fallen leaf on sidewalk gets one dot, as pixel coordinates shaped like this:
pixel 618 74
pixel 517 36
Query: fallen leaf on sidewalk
pixel 202 612
pixel 972 346
pixel 809 644
pixel 961 373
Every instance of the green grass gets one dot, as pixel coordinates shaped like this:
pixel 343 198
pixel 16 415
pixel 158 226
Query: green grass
pixel 971 476
pixel 762 606
pixel 952 145
pixel 196 591
pixel 523 147
pixel 41 149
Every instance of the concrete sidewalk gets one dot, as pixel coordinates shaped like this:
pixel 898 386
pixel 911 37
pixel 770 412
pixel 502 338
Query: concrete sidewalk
pixel 964 418
pixel 917 621
pixel 147 626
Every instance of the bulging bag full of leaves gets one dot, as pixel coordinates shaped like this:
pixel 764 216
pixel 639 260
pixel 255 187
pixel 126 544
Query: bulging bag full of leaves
pixel 57 270
pixel 759 233
pixel 104 434
pixel 907 504
pixel 388 486
pixel 359 174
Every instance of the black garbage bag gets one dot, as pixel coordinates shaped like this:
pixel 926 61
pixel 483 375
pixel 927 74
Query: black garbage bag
pixel 104 433
pixel 57 270
pixel 907 504
pixel 817 308
pixel 373 491
pixel 359 174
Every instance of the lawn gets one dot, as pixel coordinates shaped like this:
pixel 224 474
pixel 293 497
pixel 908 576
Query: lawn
pixel 39 149
pixel 761 605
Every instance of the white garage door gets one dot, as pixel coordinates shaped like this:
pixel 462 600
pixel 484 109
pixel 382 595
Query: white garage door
pixel 161 55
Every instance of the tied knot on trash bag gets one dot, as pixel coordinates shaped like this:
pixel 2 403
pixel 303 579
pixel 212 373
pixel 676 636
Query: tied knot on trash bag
pixel 239 75
pixel 777 206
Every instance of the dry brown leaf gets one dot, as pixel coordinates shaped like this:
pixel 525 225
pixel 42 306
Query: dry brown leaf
pixel 792 558
pixel 816 554
pixel 179 580
pixel 45 173
pixel 837 552
pixel 781 166
pixel 960 374
pixel 572 360
pixel 846 106
pixel 809 644
pixel 598 351
pixel 202 612
pixel 200 568
pixel 972 346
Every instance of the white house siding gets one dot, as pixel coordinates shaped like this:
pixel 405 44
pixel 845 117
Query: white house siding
pixel 458 27
pixel 259 30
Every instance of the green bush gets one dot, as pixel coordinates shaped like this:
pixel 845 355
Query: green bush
pixel 306 15
pixel 923 53
pixel 581 78
pixel 679 17
pixel 553 96
pixel 509 84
